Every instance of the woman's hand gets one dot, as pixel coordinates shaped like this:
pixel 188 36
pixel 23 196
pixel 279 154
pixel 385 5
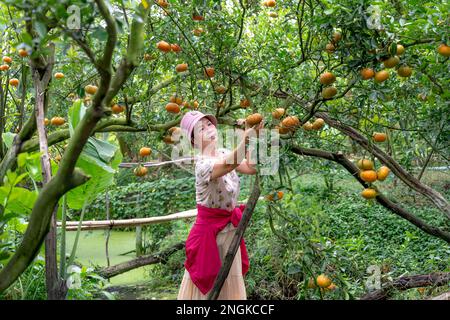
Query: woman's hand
pixel 250 129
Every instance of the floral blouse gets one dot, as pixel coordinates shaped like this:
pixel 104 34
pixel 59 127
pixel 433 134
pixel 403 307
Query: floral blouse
pixel 221 192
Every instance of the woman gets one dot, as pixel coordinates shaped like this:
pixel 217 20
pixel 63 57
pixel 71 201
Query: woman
pixel 218 214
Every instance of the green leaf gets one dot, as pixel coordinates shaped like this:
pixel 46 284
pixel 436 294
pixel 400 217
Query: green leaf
pixel 76 113
pixel 41 28
pixel 8 138
pixel 100 34
pixel 100 150
pixel 33 164
pixel 94 161
pixel 20 200
pixel 21 159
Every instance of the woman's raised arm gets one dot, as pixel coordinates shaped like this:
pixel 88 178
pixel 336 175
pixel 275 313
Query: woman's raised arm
pixel 235 158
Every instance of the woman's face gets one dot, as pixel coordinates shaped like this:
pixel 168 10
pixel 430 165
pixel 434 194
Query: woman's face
pixel 204 132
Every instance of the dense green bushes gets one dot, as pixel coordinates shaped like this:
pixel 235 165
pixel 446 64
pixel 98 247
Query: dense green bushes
pixel 145 199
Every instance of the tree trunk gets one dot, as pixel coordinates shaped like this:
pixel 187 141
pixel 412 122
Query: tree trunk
pixel 138 241
pixel 141 261
pixel 408 282
pixel 108 233
pixel 56 290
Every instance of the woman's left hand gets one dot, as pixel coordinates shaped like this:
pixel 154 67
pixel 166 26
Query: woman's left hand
pixel 240 122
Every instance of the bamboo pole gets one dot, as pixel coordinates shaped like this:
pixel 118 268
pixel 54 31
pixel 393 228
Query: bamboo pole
pixel 124 223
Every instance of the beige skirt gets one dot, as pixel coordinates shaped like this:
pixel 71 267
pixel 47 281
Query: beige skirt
pixel 233 287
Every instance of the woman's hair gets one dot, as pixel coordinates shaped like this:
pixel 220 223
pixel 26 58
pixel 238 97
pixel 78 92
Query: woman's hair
pixel 192 138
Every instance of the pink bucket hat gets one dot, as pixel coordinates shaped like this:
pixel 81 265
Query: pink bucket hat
pixel 191 118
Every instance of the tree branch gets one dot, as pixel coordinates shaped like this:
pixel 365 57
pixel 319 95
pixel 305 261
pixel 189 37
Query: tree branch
pixel 380 198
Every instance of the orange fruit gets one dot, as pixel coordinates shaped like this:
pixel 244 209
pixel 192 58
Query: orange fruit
pixel 198 31
pixel 282 130
pixel 369 193
pixel 46 121
pixel 197 17
pixel 330 48
pixel 400 49
pixel 273 14
pixel 404 71
pixel 307 126
pixel 331 287
pixel 117 108
pixel 23 53
pixel 140 171
pixel 221 89
pixel 86 100
pixel 318 124
pixel 14 82
pixel 59 75
pixel 381 76
pixel 327 78
pixel 337 36
pixel 209 72
pixel 365 164
pixel 329 92
pixel 368 175
pixel 271 197
pixel 382 173
pixel 176 99
pixel 270 3
pixel 182 67
pixel 7 59
pixel 421 290
pixel 164 46
pixel 168 139
pixel 4 67
pixel 253 119
pixel 145 151
pixel 367 73
pixel 163 3
pixel 391 62
pixel 323 281
pixel 278 113
pixel 185 104
pixel 379 137
pixel 175 47
pixel 172 107
pixel 90 89
pixel 244 103
pixel 290 122
pixel 57 121
pixel 148 57
pixel 195 104
pixel 444 50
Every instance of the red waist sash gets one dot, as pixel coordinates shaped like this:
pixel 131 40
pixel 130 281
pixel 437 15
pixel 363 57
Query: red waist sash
pixel 202 254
